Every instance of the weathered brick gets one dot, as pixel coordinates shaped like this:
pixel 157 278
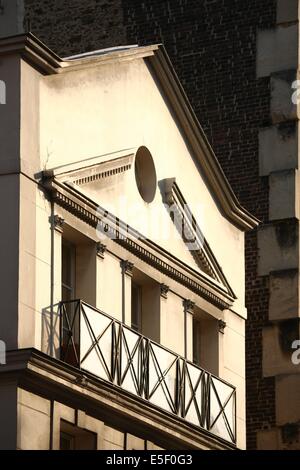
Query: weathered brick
pixel 212 44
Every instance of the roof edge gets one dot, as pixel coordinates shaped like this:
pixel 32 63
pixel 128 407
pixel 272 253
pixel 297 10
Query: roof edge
pixel 32 49
pixel 47 62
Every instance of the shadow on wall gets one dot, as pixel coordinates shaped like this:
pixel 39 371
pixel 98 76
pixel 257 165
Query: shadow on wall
pixel 50 341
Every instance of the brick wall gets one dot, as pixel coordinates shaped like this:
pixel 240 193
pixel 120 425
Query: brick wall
pixel 212 44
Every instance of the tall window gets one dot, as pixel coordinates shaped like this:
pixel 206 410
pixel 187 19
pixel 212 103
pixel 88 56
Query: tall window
pixel 67 441
pixel 68 271
pixel 70 340
pixel 75 438
pixel 196 341
pixel 136 307
pixel 145 305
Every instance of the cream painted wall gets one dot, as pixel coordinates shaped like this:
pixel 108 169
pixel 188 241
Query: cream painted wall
pixel 86 270
pixel 27 263
pixel 30 120
pixel 152 306
pixel 33 421
pixel 172 324
pixel 78 120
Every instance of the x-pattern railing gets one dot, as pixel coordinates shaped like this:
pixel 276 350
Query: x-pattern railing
pixel 100 344
pixel 200 406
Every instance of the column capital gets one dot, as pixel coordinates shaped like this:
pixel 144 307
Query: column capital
pixel 188 305
pixel 164 289
pixel 222 326
pixel 101 249
pixel 127 267
pixel 57 222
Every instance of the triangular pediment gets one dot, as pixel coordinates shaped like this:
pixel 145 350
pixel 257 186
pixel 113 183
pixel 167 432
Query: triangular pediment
pixel 91 177
pixel 191 233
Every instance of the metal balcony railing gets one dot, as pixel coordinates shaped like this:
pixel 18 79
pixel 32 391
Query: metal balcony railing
pixel 103 346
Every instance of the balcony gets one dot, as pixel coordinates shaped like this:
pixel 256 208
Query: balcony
pixel 97 343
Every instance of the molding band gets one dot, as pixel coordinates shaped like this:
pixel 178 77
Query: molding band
pixel 83 211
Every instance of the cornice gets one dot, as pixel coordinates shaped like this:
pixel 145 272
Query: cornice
pixel 105 167
pixel 47 62
pixel 130 239
pixel 99 165
pixel 33 51
pixel 201 252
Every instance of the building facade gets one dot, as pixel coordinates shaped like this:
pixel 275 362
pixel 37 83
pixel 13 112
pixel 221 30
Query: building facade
pixel 238 63
pixel 122 313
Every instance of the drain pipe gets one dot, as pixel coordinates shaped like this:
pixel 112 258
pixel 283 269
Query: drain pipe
pixel 52 280
pixel 56 225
